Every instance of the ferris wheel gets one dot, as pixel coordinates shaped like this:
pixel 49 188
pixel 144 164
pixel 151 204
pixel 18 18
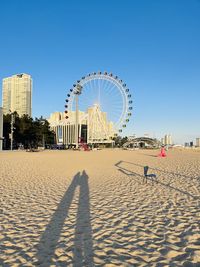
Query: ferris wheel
pixel 107 91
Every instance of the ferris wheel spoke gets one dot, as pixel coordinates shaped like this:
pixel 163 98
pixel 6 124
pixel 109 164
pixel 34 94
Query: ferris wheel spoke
pixel 86 98
pixel 111 88
pixel 88 87
pixel 108 86
pixel 113 97
pixel 99 88
pixel 90 97
pixel 104 84
pixel 102 91
pixel 95 89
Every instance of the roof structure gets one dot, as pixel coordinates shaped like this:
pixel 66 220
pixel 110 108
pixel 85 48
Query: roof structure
pixel 143 142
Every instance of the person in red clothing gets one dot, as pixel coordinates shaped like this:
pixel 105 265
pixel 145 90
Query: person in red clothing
pixel 162 152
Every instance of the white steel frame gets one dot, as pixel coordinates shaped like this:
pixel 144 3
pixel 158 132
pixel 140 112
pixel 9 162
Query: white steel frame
pixel 116 82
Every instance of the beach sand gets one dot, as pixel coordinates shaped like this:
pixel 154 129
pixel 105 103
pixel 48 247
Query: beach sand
pixel 75 208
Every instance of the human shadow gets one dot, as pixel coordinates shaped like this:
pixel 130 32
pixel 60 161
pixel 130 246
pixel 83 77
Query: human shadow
pixel 149 177
pixel 144 177
pixel 3 264
pixel 83 244
pixel 157 169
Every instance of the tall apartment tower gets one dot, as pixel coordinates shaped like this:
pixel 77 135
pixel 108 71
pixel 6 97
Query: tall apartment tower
pixel 17 94
pixel 168 139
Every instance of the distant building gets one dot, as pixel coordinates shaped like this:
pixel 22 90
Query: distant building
pixel 17 94
pixel 167 139
pixel 191 144
pixel 186 145
pixel 1 127
pixel 198 142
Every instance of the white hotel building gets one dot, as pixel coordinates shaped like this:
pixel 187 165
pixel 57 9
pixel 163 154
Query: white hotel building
pixel 93 127
pixel 1 128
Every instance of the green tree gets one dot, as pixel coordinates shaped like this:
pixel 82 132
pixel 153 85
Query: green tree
pixel 6 131
pixel 119 141
pixel 27 132
pixel 124 140
pixel 44 134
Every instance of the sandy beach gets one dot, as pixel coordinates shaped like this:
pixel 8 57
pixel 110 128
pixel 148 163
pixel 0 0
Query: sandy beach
pixel 70 208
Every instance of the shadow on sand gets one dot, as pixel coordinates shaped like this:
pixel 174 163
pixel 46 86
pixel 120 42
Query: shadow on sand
pixel 148 177
pixel 156 169
pixel 150 155
pixel 83 244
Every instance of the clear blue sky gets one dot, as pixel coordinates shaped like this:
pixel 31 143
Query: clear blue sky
pixel 153 45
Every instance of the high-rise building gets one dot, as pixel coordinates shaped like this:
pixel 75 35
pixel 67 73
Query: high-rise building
pixel 17 94
pixel 1 127
pixel 168 139
pixel 198 142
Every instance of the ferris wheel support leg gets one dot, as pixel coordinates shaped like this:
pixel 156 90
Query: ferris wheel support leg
pixel 79 134
pixel 76 123
pixel 88 125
